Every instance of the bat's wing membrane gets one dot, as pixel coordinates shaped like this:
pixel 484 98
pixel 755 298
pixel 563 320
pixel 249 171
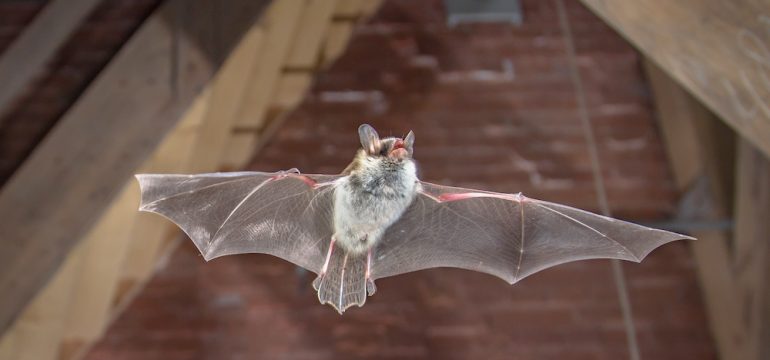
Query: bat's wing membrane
pixel 283 214
pixel 509 236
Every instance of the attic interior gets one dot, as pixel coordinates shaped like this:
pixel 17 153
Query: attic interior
pixel 655 108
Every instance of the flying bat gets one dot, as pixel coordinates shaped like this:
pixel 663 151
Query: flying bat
pixel 377 219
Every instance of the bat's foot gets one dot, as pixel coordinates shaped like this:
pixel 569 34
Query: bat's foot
pixel 317 282
pixel 370 287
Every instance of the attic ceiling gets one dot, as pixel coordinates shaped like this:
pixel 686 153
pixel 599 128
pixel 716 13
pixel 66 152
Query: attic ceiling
pixel 190 86
pixel 492 107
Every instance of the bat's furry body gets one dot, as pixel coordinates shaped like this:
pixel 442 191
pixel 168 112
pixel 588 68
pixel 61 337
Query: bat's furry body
pixel 371 198
pixel 377 219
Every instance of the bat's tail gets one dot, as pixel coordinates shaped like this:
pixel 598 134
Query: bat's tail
pixel 344 283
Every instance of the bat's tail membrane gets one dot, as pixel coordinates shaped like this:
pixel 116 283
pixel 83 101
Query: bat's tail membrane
pixel 344 283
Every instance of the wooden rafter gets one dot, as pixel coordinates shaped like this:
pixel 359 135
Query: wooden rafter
pixel 119 254
pixel 717 50
pixel 733 268
pixel 752 247
pixel 74 174
pixel 27 56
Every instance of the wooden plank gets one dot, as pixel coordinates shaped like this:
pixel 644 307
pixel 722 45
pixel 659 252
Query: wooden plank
pixel 336 41
pixel 149 232
pixel 8 345
pixel 239 150
pixel 280 26
pixel 144 238
pixel 369 7
pixel 718 50
pixel 26 57
pixel 104 250
pixel 690 144
pixel 226 96
pixel 291 89
pixel 349 9
pixel 187 149
pixel 752 247
pixel 53 199
pixel 49 219
pixel 195 146
pixel 674 111
pixel 312 27
pixel 36 333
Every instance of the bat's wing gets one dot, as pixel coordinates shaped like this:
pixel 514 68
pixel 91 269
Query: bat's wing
pixel 509 236
pixel 282 214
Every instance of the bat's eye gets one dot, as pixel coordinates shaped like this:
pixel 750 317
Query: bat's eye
pixel 384 152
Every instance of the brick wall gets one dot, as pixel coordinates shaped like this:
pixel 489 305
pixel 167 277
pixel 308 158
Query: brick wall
pixel 492 107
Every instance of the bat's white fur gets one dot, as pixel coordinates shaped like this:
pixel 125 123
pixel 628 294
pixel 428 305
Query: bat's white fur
pixel 371 198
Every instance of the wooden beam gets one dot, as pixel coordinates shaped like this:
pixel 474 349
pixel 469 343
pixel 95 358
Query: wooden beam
pixel 149 232
pixel 690 135
pixel 717 50
pixel 226 96
pixel 73 175
pixel 675 109
pixel 144 238
pixel 752 247
pixel 26 57
pixel 203 131
pixel 336 41
pixel 36 334
pixel 195 146
pixel 291 89
pixel 369 7
pixel 280 26
pixel 105 247
pixel 313 24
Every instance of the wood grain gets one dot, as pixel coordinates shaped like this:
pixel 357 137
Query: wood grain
pixel 280 25
pixel 79 168
pixel 691 137
pixel 28 54
pixel 718 50
pixel 752 247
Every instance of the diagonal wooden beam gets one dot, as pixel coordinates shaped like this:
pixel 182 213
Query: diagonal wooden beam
pixel 72 176
pixel 27 56
pixel 718 50
pixel 149 232
pixel 36 334
pixel 752 247
pixel 281 25
pixel 696 145
pixel 313 24
pixel 102 255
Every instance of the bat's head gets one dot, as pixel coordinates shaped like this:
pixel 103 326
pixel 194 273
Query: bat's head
pixel 391 148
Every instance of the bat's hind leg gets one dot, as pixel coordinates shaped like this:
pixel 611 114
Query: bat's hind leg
pixel 370 287
pixel 342 280
pixel 325 267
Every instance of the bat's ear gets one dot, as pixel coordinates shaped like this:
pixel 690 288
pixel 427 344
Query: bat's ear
pixel 369 139
pixel 409 142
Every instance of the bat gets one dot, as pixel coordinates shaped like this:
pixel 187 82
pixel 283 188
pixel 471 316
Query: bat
pixel 377 219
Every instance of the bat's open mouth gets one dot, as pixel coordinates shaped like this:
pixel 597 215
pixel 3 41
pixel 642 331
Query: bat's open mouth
pixel 398 151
